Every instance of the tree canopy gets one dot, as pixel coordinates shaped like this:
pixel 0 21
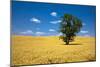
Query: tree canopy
pixel 69 27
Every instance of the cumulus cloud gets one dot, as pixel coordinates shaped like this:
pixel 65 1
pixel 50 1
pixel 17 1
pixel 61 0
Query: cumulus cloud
pixel 84 24
pixel 84 31
pixel 59 34
pixel 27 32
pixel 52 30
pixel 38 33
pixel 87 35
pixel 35 20
pixel 53 14
pixel 55 22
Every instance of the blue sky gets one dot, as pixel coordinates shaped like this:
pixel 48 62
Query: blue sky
pixel 42 19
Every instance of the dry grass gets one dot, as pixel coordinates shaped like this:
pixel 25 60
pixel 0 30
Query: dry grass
pixel 49 49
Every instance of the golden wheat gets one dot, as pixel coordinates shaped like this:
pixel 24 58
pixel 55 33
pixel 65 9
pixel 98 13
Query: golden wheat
pixel 49 49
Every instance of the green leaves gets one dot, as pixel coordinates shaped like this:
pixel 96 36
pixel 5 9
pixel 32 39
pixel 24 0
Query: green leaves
pixel 69 26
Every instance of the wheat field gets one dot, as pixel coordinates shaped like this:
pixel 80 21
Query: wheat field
pixel 34 50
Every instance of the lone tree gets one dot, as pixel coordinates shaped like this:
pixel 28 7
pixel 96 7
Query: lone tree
pixel 69 27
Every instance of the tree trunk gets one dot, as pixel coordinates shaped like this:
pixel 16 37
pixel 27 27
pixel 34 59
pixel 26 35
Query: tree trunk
pixel 67 42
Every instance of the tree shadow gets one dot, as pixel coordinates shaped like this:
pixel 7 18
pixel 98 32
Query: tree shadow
pixel 73 44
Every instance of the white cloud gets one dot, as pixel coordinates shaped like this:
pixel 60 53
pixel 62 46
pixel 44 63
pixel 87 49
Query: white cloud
pixel 53 14
pixel 27 32
pixel 84 24
pixel 59 34
pixel 84 31
pixel 55 22
pixel 38 33
pixel 35 20
pixel 52 30
pixel 87 35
